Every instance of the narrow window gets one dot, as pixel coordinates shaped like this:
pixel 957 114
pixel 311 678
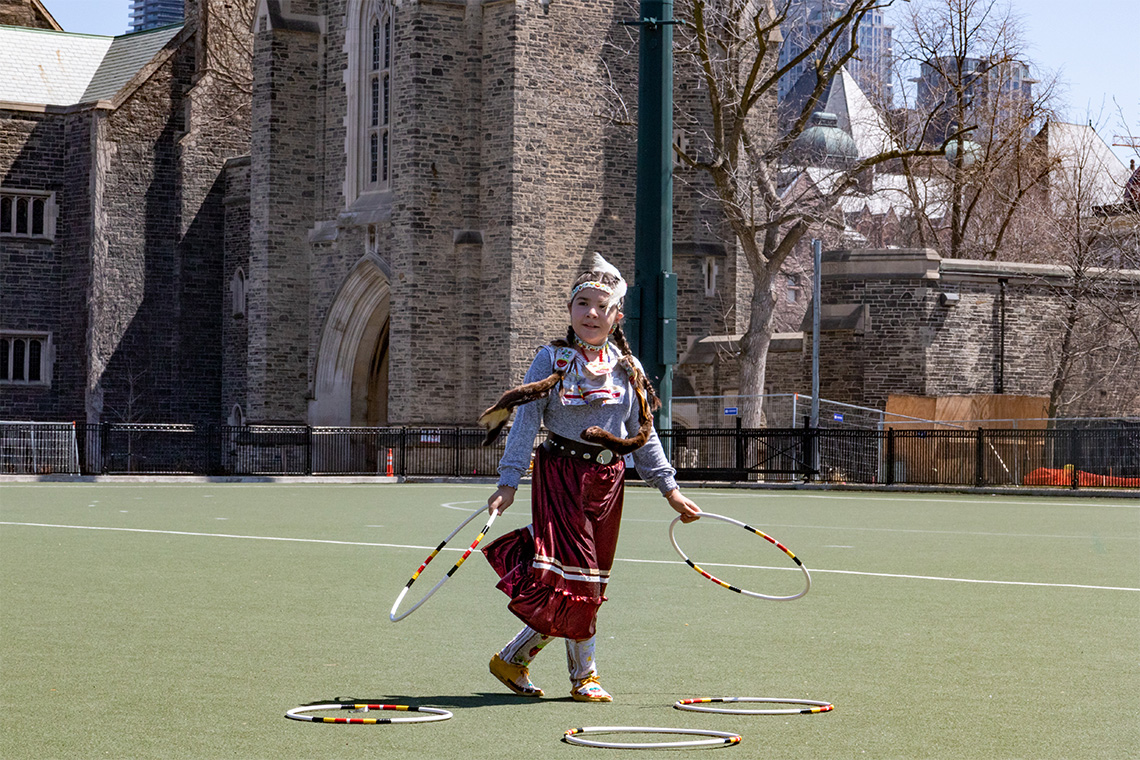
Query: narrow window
pixel 377 96
pixel 6 214
pixel 5 363
pixel 680 145
pixel 375 102
pixel 21 216
pixel 237 293
pixel 35 352
pixel 374 158
pixel 38 216
pixel 384 157
pixel 18 350
pixel 793 289
pixel 388 41
pixel 376 47
pixel 712 269
pixel 386 97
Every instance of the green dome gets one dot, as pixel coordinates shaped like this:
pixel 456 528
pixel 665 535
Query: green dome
pixel 971 152
pixel 824 143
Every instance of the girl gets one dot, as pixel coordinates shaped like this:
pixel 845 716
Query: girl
pixel 555 570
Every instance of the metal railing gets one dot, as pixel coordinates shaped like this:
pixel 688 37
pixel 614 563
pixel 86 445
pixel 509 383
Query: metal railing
pixel 1078 457
pixel 221 450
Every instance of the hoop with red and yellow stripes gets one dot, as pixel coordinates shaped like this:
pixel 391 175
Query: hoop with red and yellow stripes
pixel 430 714
pixel 729 586
pixel 718 738
pixel 698 705
pixel 490 520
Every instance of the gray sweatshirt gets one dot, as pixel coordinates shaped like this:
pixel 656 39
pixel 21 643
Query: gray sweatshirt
pixel 569 421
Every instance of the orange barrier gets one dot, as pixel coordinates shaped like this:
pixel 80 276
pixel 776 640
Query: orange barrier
pixel 1047 476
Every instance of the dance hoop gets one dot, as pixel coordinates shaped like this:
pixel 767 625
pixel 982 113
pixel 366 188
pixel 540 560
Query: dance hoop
pixel 433 714
pixel 720 738
pixel 730 587
pixel 491 519
pixel 696 706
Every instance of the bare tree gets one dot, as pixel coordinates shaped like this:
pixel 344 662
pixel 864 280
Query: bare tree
pixel 975 93
pixel 730 48
pixel 1085 224
pixel 225 58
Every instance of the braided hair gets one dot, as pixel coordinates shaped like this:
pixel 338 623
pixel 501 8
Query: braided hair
pixel 495 417
pixel 648 401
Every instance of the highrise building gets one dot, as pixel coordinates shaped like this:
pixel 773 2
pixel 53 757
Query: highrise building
pixel 149 14
pixel 984 89
pixel 871 65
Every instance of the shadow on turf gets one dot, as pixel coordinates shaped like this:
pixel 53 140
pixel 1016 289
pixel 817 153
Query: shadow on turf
pixel 459 702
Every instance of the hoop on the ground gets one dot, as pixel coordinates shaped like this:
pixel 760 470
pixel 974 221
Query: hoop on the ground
pixel 430 714
pixel 698 705
pixel 718 738
pixel 730 587
pixel 490 520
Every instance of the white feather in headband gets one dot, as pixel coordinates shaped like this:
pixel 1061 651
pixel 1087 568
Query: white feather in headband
pixel 595 264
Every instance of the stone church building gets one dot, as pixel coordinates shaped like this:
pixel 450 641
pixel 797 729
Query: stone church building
pixel 335 212
pixel 417 184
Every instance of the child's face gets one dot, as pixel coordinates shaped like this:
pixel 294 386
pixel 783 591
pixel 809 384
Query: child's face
pixel 590 318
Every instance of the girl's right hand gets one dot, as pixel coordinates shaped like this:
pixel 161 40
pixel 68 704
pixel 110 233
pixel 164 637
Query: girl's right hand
pixel 501 499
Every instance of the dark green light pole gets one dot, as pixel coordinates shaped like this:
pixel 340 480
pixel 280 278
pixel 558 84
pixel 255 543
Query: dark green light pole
pixel 653 307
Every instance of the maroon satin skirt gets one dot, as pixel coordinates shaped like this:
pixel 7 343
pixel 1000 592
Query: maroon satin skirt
pixel 556 576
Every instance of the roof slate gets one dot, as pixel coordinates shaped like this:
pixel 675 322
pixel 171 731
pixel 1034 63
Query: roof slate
pixel 43 67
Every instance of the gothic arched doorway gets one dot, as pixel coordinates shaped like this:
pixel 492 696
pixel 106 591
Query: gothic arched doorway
pixel 351 383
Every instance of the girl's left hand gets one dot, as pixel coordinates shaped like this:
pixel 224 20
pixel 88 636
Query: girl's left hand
pixel 683 506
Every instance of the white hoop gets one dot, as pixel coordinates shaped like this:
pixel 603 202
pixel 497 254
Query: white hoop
pixel 763 535
pixel 490 520
pixel 720 738
pixel 433 714
pixel 696 705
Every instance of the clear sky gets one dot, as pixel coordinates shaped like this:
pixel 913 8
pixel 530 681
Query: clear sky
pixel 1092 44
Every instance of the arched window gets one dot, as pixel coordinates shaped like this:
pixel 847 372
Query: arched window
pixel 237 293
pixel 370 58
pixel 237 416
pixel 27 213
pixel 25 357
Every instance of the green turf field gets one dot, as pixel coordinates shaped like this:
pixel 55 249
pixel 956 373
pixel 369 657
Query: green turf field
pixel 183 620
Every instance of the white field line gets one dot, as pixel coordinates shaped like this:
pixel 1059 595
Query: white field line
pixel 895 498
pixel 227 535
pixel 618 559
pixel 1134 539
pixel 649 492
pixel 456 505
pixel 888 575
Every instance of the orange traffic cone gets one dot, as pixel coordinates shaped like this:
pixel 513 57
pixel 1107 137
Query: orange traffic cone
pixel 391 470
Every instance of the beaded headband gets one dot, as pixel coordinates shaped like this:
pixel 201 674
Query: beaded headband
pixel 592 285
pixel 599 266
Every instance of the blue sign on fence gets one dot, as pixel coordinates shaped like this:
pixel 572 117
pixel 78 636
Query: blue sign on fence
pixel 730 410
pixel 837 417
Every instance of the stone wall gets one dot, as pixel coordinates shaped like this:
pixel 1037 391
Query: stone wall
pixel 234 305
pixel 25 13
pixel 144 317
pixel 136 268
pixel 907 322
pixel 33 271
pixel 283 171
pixel 435 299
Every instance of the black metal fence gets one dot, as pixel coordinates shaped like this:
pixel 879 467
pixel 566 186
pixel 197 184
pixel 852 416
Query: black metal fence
pixel 1076 458
pixel 138 449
